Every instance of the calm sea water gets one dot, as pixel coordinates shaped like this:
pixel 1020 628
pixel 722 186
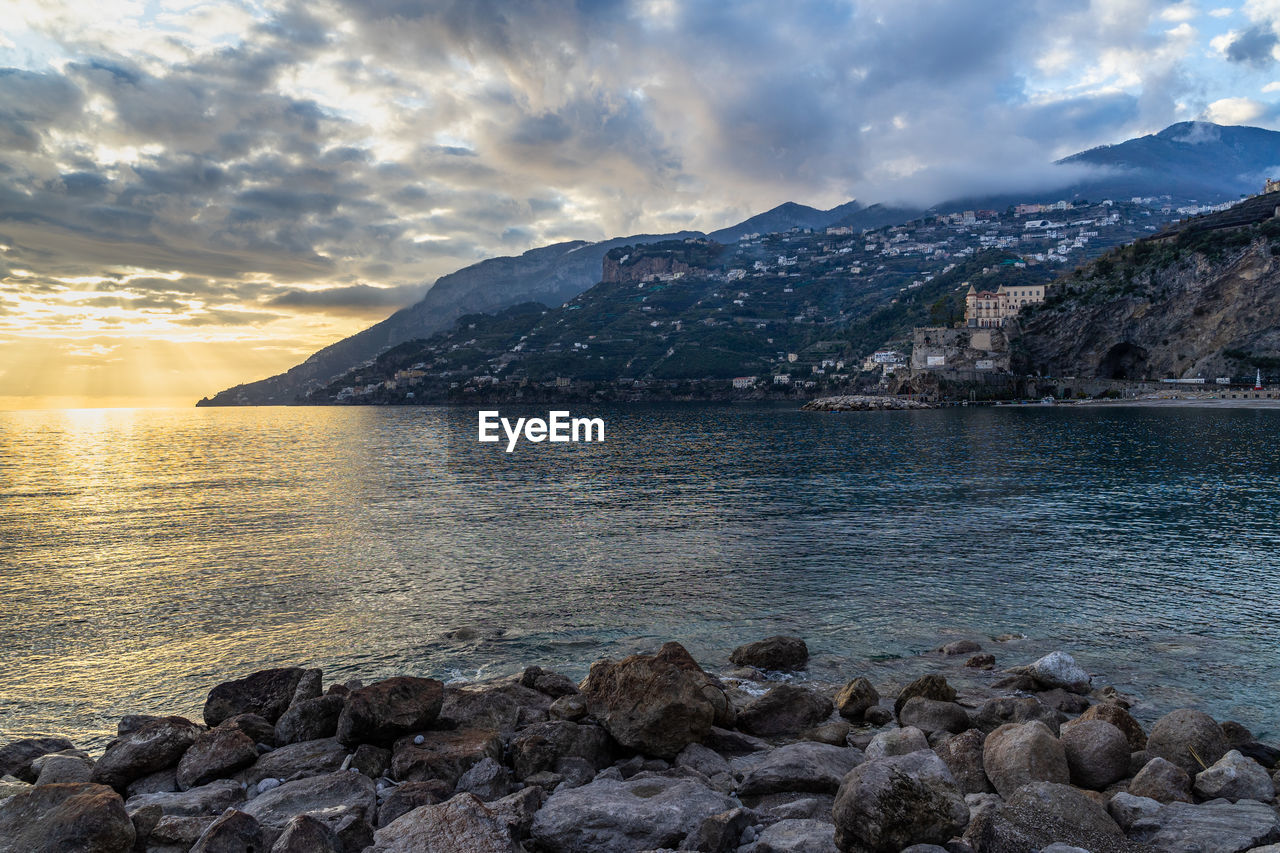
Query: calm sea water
pixel 146 555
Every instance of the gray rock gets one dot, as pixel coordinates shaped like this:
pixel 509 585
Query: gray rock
pixel 1097 754
pixel 994 713
pixel 16 756
pixel 487 779
pixel 177 834
pixel 1126 809
pixel 161 782
pixel 835 733
pixel 211 799
pixel 810 767
pixel 855 698
pixel 785 709
pixel 1162 781
pixel 308 758
pixel 372 761
pixel 793 806
pixel 540 747
pixel 1064 814
pixel 796 836
pixel 517 810
pixel 504 705
pixel 156 745
pixel 960 647
pixel 305 834
pixel 636 814
pixel 785 654
pixel 933 715
pixel 572 708
pixel 65 817
pixel 1187 738
pixel 309 719
pixel 1216 827
pixel 719 833
pixel 461 825
pixel 257 728
pixel 233 832
pixel 1234 777
pixel 1118 717
pixel 266 693
pixel 329 799
pixel 552 684
pixel 213 755
pixel 896 742
pixel 1059 669
pixel 877 716
pixel 1017 754
pixel 963 756
pixel 890 803
pixel 62 767
pixel 706 761
pixel 389 709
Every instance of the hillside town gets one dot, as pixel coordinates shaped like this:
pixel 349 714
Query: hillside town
pixel 783 315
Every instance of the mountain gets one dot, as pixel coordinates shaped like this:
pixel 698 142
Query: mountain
pixel 550 275
pixel 1191 159
pixel 1201 299
pixel 784 217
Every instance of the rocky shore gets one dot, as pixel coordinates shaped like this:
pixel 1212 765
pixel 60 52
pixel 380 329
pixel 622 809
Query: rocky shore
pixel 865 403
pixel 653 753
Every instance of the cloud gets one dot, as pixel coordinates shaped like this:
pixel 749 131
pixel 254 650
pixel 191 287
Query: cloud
pixel 1255 46
pixel 352 299
pixel 1236 110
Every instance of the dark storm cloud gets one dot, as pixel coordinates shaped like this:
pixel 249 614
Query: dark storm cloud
pixel 355 299
pixel 1253 47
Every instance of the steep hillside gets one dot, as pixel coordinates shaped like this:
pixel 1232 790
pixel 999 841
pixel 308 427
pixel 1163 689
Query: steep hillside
pixel 1201 300
pixel 549 275
pixel 786 216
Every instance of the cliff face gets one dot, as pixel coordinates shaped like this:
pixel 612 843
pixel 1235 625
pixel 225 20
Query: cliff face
pixel 1196 304
pixel 618 270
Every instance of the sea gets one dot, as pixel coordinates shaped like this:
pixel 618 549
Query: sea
pixel 148 554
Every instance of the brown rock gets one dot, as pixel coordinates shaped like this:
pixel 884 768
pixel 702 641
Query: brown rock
pixel 409 795
pixel 963 756
pixel 541 747
pixel 388 709
pixel 855 698
pixel 214 755
pixel 1189 739
pixel 1017 754
pixel 1097 753
pixel 266 693
pixel 656 704
pixel 157 745
pixel 16 757
pixel 928 687
pixel 79 817
pixel 780 654
pixel 785 709
pixel 1121 719
pixel 464 824
pixel 233 832
pixel 443 755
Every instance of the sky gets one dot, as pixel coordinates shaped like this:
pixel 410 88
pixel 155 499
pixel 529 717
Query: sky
pixel 198 194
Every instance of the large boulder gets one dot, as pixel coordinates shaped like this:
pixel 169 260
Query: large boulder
pixel 656 704
pixel 1017 754
pixel 963 756
pixel 16 756
pixel 1045 816
pixel 1162 781
pixel 503 705
pixel 306 758
pixel 646 813
pixel 934 715
pixel 812 767
pixel 886 804
pixel 443 755
pixel 60 818
pixel 1118 717
pixel 344 802
pixel 214 798
pixel 1187 737
pixel 408 796
pixel 266 693
pixel 931 686
pixel 213 755
pixel 1059 669
pixel 541 747
pixel 233 832
pixel 897 742
pixel 782 654
pixel 386 710
pixel 855 698
pixel 1216 827
pixel 1234 777
pixel 309 719
pixel 464 824
pixel 61 767
pixel 305 834
pixel 785 709
pixel 1097 754
pixel 1001 710
pixel 158 744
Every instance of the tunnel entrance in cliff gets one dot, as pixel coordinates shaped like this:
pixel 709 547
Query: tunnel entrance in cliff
pixel 1124 361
